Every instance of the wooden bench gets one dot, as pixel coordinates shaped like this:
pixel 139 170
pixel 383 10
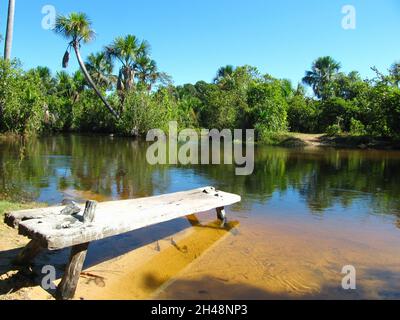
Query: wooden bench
pixel 76 226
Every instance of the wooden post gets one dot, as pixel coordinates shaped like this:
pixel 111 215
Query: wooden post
pixel 90 210
pixel 67 287
pixel 28 254
pixel 221 214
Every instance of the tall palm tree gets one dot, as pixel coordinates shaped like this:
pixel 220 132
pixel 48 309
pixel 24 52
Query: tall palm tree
pixel 126 50
pixel 321 75
pixel 225 77
pixel 10 29
pixel 148 73
pixel 100 68
pixel 76 27
pixel 223 73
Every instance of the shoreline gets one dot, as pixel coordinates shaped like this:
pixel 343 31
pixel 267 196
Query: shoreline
pixel 293 140
pixel 286 140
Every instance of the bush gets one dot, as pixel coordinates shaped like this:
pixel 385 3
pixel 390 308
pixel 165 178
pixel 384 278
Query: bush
pixel 90 115
pixel 143 112
pixel 301 115
pixel 268 107
pixel 22 101
pixel 357 128
pixel 332 110
pixel 333 130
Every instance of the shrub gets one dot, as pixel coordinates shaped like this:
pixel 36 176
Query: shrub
pixel 89 114
pixel 143 112
pixel 22 101
pixel 333 130
pixel 301 115
pixel 268 107
pixel 357 128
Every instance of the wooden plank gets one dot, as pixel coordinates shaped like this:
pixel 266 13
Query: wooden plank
pixel 14 218
pixel 57 231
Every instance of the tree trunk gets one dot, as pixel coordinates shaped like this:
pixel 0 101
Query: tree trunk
pixel 91 82
pixel 10 30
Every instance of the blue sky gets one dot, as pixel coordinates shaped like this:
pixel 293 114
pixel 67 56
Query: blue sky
pixel 191 39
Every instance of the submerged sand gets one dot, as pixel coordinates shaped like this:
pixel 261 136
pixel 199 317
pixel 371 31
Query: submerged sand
pixel 257 258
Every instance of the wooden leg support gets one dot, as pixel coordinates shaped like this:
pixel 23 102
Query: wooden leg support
pixel 67 287
pixel 28 254
pixel 222 215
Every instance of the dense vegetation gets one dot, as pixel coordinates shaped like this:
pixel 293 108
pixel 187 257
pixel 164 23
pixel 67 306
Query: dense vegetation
pixel 121 90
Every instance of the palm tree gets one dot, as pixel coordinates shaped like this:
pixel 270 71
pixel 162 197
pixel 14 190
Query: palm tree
pixel 100 68
pixel 10 29
pixel 126 50
pixel 224 72
pixel 225 77
pixel 321 75
pixel 148 73
pixel 70 87
pixel 76 27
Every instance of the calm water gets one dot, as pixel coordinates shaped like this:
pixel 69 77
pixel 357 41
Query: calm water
pixel 305 213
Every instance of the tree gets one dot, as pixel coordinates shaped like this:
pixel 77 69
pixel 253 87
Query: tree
pixel 148 73
pixel 46 77
pixel 394 72
pixel 10 29
pixel 127 50
pixel 268 107
pixel 224 77
pixel 100 68
pixel 77 28
pixel 321 75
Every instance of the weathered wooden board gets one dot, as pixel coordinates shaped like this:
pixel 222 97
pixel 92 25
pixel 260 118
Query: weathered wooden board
pixel 55 231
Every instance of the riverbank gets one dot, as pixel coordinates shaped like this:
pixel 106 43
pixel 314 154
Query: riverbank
pixel 340 141
pixel 10 242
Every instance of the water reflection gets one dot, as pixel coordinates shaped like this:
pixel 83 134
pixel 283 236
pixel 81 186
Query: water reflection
pixel 72 166
pixel 305 213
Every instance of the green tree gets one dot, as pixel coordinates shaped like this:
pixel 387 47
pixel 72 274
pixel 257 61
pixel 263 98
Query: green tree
pixel 126 50
pixel 148 73
pixel 394 72
pixel 268 107
pixel 321 75
pixel 22 100
pixel 224 77
pixel 302 114
pixel 100 68
pixel 77 28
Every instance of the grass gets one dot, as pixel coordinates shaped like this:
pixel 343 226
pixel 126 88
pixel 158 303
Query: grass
pixel 12 206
